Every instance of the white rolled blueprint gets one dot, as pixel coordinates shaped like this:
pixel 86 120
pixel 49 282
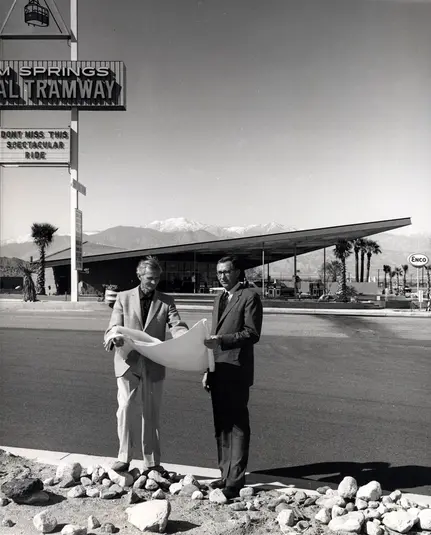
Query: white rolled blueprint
pixel 187 352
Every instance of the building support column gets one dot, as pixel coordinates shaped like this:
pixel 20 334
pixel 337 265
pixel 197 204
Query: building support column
pixel 263 270
pixel 294 272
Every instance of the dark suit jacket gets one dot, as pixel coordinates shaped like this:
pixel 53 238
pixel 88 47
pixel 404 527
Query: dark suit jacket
pixel 239 328
pixel 163 313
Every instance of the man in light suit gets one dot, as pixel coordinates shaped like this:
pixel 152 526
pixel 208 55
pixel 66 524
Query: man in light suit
pixel 236 326
pixel 140 380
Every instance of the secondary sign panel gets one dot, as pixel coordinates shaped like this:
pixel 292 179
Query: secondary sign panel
pixel 78 239
pixel 46 146
pixel 62 85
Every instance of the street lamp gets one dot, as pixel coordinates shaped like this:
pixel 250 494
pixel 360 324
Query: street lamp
pixel 35 14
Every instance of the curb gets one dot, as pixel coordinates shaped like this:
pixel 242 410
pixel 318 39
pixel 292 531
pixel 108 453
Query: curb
pixel 91 306
pixel 55 458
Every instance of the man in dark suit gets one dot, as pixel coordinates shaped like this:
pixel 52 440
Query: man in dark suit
pixel 236 327
pixel 140 380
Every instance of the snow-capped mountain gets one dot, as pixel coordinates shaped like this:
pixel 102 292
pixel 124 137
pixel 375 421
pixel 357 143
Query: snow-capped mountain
pixel 181 224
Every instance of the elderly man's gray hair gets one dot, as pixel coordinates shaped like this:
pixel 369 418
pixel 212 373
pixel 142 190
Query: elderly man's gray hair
pixel 150 262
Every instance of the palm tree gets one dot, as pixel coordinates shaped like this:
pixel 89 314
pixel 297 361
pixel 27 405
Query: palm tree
pixel 342 250
pixel 428 271
pixel 405 269
pixel 42 234
pixel 398 272
pixel 363 252
pixel 391 276
pixel 371 247
pixel 386 271
pixel 357 245
pixel 28 287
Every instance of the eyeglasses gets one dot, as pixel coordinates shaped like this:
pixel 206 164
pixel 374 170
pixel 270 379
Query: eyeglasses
pixel 227 272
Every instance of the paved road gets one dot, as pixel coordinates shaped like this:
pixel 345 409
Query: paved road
pixel 334 396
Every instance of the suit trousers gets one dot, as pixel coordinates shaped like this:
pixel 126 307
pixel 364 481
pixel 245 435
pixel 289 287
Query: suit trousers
pixel 138 416
pixel 230 395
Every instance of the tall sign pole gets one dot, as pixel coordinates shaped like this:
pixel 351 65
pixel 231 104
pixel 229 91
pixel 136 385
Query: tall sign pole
pixel 74 156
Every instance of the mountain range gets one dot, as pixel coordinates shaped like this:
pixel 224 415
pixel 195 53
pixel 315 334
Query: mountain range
pixel 395 247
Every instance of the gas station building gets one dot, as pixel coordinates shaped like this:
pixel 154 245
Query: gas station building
pixel 191 268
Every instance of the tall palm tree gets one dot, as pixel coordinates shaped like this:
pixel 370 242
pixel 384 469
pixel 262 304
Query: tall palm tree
pixel 398 272
pixel 363 253
pixel 428 272
pixel 405 269
pixel 357 245
pixel 42 234
pixel 371 247
pixel 386 271
pixel 391 276
pixel 342 250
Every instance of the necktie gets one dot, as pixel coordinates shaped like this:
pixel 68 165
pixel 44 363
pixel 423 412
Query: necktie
pixel 223 303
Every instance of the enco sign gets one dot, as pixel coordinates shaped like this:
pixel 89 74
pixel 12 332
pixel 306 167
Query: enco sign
pixel 418 260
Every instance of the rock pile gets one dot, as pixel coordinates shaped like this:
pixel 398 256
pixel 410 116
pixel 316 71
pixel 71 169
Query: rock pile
pixel 147 497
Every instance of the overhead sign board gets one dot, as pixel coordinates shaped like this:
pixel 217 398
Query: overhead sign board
pixel 78 239
pixel 46 146
pixel 418 260
pixel 62 85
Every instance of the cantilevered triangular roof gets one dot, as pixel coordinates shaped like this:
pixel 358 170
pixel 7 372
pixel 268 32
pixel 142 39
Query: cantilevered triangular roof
pixel 276 246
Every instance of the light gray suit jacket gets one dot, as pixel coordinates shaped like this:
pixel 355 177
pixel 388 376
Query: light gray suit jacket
pixel 162 313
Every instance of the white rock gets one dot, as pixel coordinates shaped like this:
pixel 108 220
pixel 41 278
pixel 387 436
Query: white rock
pixel 45 522
pixel 246 492
pixel 217 496
pixel 107 483
pixel 77 492
pixel 124 479
pixel 392 506
pixel 373 505
pixel 92 492
pixel 197 495
pixel 399 521
pixel 425 519
pixel 404 503
pixel 93 523
pixel 370 491
pixel 189 479
pixel 395 495
pixel 373 529
pixel 92 468
pixel 150 516
pixel 323 516
pixel 72 470
pixel 286 518
pixel 330 492
pixel 73 529
pixel 386 499
pixel 351 522
pixel 337 511
pixel 348 487
pixel 151 484
pixel 382 509
pixel 48 482
pixel 158 478
pixel 140 482
pixel 158 495
pixel 371 514
pixel 86 481
pixel 175 488
pixel 360 504
pixel 414 513
pixel 329 501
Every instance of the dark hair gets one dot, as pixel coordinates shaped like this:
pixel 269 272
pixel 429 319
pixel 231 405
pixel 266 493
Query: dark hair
pixel 233 259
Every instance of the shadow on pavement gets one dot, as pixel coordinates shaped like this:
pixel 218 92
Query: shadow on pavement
pixel 331 474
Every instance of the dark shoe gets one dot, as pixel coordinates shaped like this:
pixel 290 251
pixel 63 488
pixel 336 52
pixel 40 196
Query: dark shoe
pixel 159 468
pixel 120 466
pixel 231 492
pixel 217 484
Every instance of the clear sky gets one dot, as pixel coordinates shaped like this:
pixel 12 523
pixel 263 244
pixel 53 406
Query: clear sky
pixel 305 112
